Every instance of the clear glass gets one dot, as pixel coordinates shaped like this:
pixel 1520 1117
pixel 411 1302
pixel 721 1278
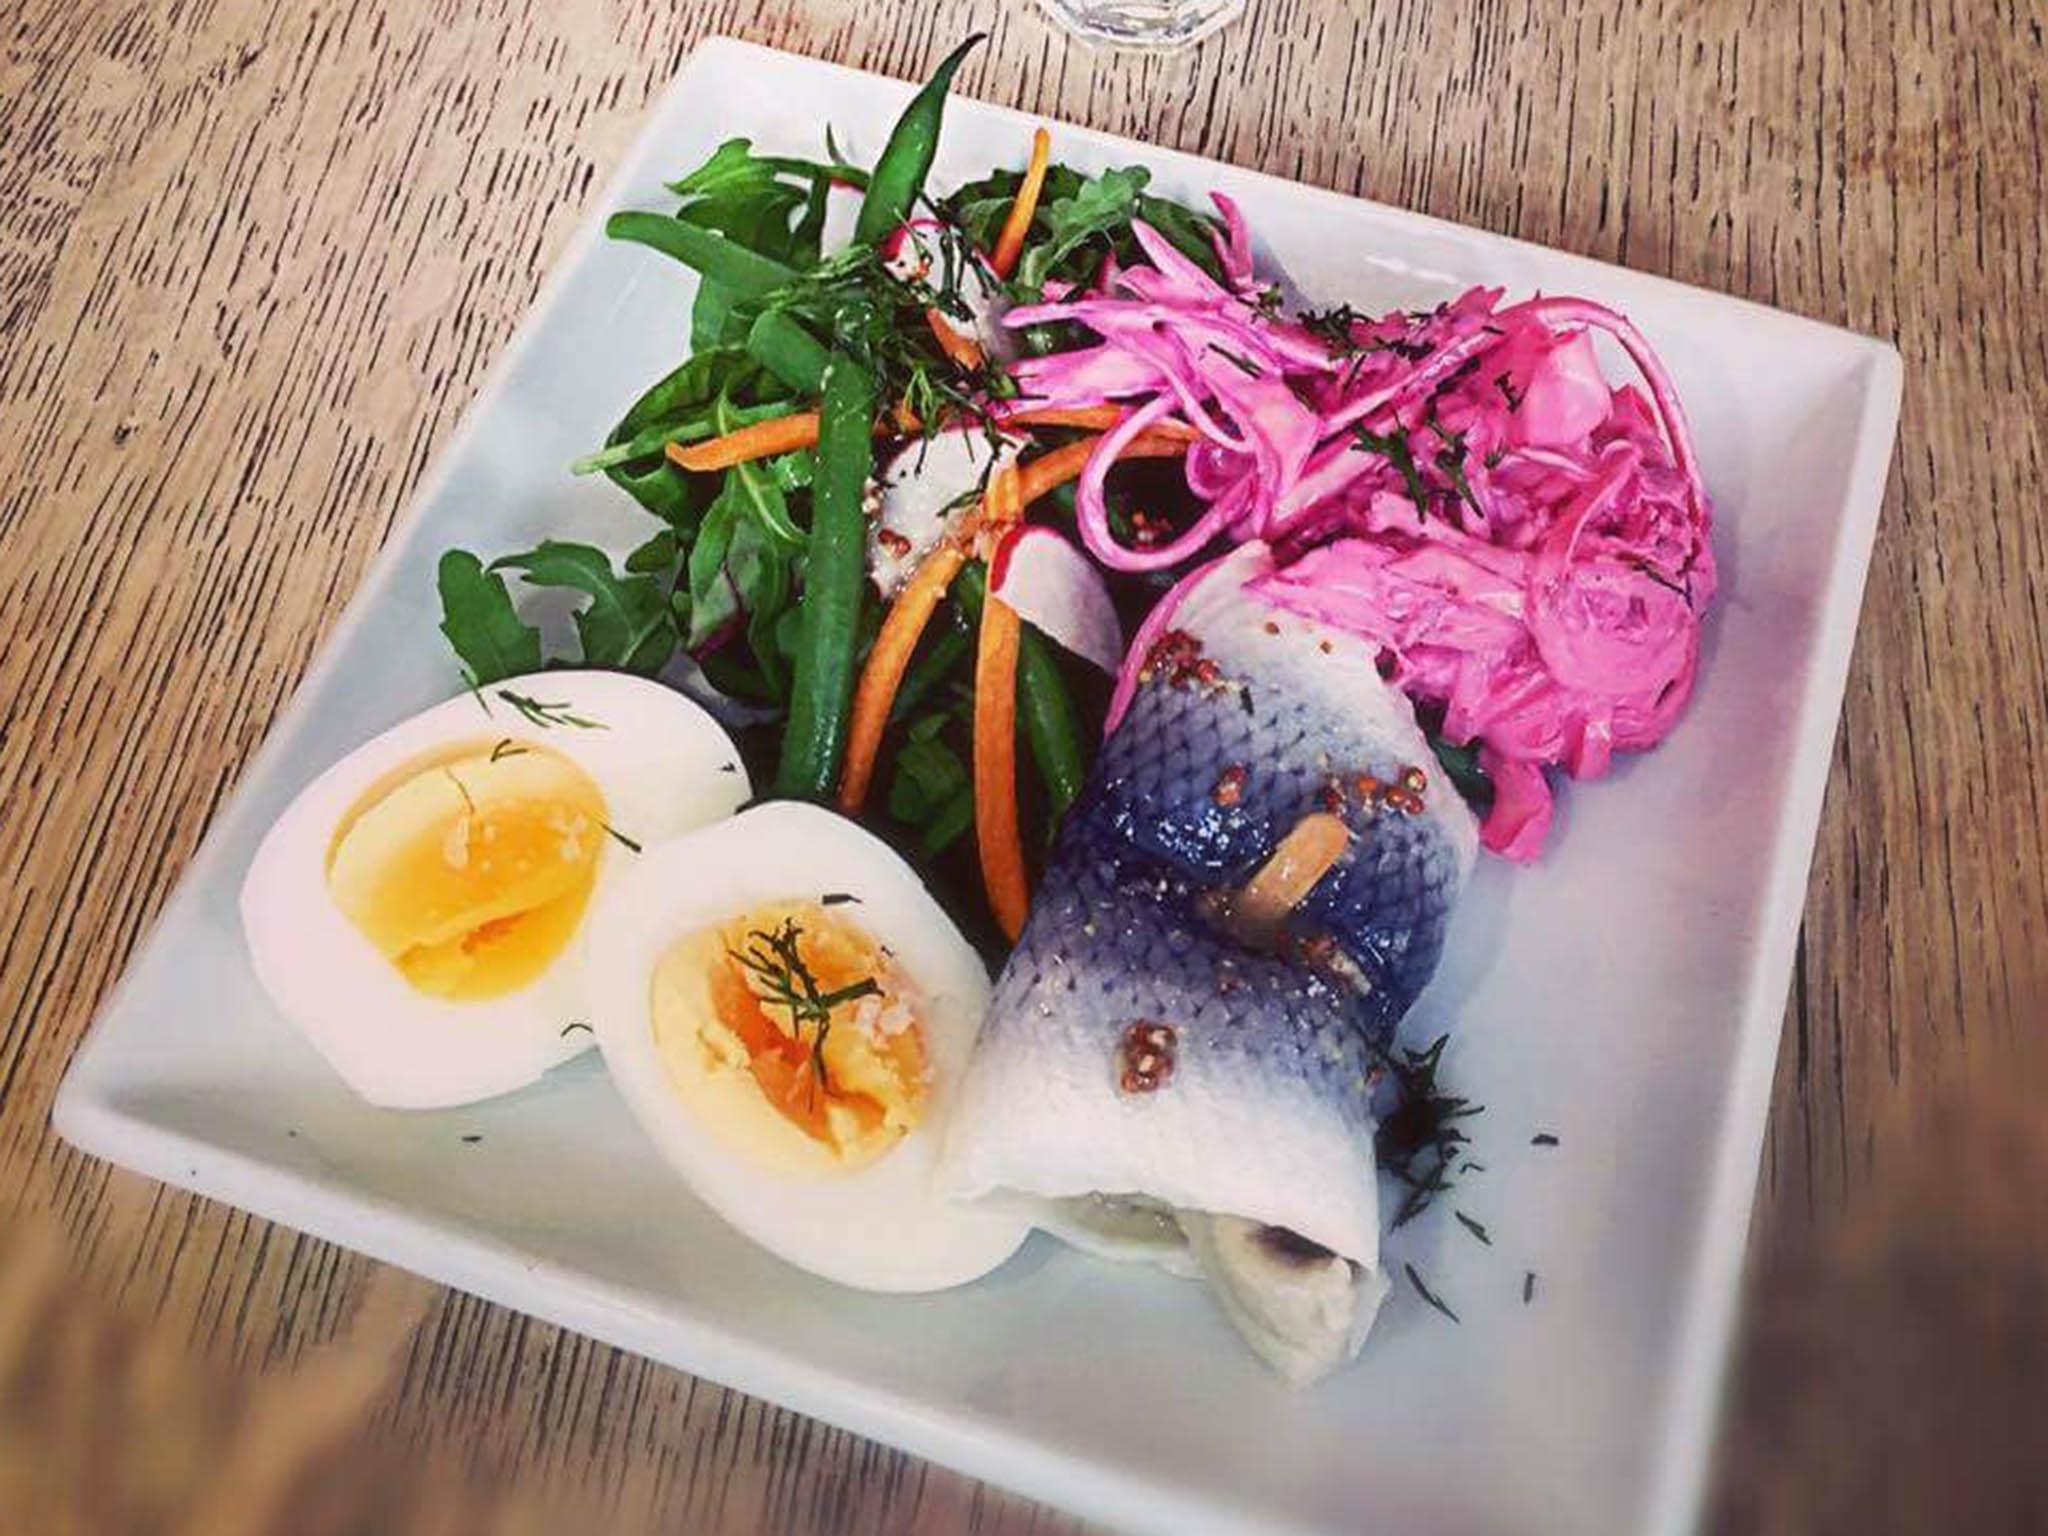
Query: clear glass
pixel 1144 23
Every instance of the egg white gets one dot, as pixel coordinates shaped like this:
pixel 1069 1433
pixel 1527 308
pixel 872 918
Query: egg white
pixel 663 766
pixel 881 1228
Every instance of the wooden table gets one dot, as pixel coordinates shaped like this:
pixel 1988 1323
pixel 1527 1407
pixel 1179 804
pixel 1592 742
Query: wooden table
pixel 255 257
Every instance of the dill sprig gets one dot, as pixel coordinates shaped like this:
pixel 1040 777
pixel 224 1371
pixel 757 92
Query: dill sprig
pixel 1393 446
pixel 1337 329
pixel 877 317
pixel 1238 361
pixel 775 958
pixel 1420 1142
pixel 1428 1295
pixel 545 715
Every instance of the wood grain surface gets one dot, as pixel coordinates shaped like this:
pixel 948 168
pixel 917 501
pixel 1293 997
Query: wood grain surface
pixel 254 258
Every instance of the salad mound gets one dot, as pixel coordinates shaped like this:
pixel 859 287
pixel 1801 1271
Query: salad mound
pixel 843 473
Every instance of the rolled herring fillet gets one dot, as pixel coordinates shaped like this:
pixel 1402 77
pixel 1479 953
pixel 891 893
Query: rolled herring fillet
pixel 1174 1069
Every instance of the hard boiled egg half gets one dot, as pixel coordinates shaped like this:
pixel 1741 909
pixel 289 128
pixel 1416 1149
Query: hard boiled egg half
pixel 421 910
pixel 789 1014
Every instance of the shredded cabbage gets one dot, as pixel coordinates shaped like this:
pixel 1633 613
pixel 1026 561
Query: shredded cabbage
pixel 1527 543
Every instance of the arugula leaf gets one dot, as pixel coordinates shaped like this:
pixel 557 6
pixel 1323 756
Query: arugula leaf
pixel 714 601
pixel 757 217
pixel 765 575
pixel 734 165
pixel 980 207
pixel 758 489
pixel 947 823
pixel 678 405
pixel 480 622
pixel 1101 206
pixel 928 774
pixel 1187 230
pixel 627 622
pixel 792 471
pixel 658 556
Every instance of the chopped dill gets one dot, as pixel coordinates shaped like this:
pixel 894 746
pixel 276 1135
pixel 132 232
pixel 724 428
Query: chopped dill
pixel 507 748
pixel 614 833
pixel 1337 329
pixel 1238 361
pixel 1528 1286
pixel 546 715
pixel 775 958
pixel 1393 446
pixel 1477 1229
pixel 1428 1295
pixel 1419 1142
pixel 1543 1139
pixel 572 1026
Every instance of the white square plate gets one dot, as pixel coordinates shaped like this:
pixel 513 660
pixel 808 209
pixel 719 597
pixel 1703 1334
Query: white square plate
pixel 1626 994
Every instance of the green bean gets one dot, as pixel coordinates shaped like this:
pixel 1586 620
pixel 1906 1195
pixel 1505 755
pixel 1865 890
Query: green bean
pixel 898 176
pixel 835 581
pixel 1045 705
pixel 788 351
pixel 742 273
pixel 1051 723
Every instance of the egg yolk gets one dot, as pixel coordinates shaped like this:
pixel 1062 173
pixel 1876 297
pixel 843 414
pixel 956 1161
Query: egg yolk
pixel 470 871
pixel 805 1003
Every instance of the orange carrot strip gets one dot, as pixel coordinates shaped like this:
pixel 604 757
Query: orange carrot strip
pixel 875 695
pixel 1065 463
pixel 779 434
pixel 1010 243
pixel 1095 418
pixel 963 350
pixel 760 440
pixel 995 766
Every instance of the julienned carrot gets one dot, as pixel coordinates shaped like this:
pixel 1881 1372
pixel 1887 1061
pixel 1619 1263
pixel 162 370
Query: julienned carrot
pixel 888 659
pixel 761 440
pixel 995 767
pixel 1010 243
pixel 1094 418
pixel 1056 468
pixel 778 434
pixel 995 733
pixel 960 348
pixel 903 626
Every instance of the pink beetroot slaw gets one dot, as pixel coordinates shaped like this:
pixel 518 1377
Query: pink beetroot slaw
pixel 1526 543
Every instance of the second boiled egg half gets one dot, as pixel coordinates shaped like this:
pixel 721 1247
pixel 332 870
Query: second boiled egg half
pixel 788 1013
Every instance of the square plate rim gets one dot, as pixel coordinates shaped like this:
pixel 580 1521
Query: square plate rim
pixel 982 1446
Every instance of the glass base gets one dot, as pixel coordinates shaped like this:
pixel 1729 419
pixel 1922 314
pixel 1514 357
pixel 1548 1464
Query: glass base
pixel 1143 23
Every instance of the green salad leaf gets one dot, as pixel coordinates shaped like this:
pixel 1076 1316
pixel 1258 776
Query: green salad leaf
pixel 480 622
pixel 627 624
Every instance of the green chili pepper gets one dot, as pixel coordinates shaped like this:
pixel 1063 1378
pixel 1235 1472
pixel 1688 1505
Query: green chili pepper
pixel 835 581
pixel 898 177
pixel 788 351
pixel 1045 706
pixel 742 273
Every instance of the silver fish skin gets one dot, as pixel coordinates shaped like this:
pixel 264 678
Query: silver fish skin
pixel 1249 718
